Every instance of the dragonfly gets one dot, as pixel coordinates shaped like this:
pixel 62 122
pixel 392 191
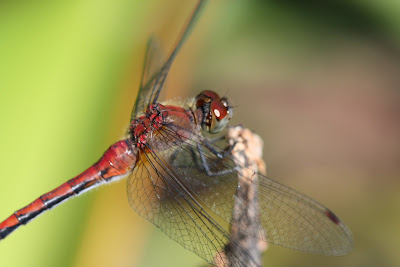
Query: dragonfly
pixel 182 177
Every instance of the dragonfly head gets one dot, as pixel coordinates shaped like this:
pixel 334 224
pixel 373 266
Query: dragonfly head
pixel 215 110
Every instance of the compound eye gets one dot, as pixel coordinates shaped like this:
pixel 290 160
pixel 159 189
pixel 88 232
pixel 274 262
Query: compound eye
pixel 220 115
pixel 215 110
pixel 225 102
pixel 229 109
pixel 204 98
pixel 219 110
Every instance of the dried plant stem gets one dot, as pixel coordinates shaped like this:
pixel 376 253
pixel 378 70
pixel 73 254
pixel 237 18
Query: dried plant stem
pixel 247 153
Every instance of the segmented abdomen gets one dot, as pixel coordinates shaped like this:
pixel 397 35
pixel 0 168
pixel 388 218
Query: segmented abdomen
pixel 119 159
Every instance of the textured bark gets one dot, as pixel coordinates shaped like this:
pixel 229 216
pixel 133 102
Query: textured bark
pixel 247 153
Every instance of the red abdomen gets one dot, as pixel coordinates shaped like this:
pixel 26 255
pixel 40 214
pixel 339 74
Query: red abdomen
pixel 117 161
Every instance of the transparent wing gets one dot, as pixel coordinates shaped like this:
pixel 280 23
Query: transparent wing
pixel 296 221
pixel 153 63
pixel 158 195
pixel 290 219
pixel 152 83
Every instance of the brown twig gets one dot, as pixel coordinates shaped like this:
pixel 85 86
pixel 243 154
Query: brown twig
pixel 245 241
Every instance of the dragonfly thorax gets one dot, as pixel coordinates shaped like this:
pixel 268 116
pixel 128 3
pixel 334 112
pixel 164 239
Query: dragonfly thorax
pixel 215 111
pixel 144 125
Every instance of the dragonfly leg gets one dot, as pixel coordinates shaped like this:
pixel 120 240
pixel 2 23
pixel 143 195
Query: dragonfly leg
pixel 206 166
pixel 199 158
pixel 227 151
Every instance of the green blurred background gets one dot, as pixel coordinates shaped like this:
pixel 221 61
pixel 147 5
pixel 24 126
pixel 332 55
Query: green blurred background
pixel 318 80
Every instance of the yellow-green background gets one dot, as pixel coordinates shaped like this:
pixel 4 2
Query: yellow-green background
pixel 318 81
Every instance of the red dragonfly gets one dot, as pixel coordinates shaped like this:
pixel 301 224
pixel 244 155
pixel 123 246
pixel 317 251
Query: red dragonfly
pixel 184 181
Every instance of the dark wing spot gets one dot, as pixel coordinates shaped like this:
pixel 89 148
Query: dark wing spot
pixel 332 217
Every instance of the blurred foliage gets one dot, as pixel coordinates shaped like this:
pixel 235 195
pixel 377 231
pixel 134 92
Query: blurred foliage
pixel 317 79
